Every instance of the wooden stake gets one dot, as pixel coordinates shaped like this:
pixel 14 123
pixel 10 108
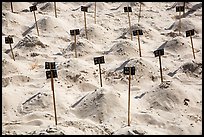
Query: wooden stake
pixel 160 68
pixel 139 13
pixel 95 14
pixel 75 44
pixel 184 8
pixel 52 86
pixel 179 23
pixel 11 7
pixel 139 43
pixel 100 74
pixel 192 46
pixel 12 52
pixel 55 10
pixel 129 96
pixel 85 24
pixel 130 25
pixel 36 23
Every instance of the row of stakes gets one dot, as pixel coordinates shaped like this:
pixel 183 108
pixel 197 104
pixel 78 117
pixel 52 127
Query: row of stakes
pixel 126 9
pixel 52 73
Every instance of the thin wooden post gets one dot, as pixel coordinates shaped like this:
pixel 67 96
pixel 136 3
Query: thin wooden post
pixel 139 43
pixel 184 8
pixel 11 7
pixel 12 52
pixel 192 46
pixel 139 13
pixel 160 68
pixel 85 24
pixel 36 23
pixel 55 10
pixel 100 74
pixel 52 86
pixel 75 44
pixel 95 14
pixel 130 26
pixel 129 96
pixel 179 23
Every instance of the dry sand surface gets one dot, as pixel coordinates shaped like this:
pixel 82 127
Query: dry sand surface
pixel 173 107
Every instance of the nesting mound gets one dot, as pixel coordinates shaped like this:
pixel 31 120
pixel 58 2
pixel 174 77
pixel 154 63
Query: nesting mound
pixel 97 34
pixel 166 97
pixel 52 25
pixel 17 79
pixel 123 48
pixel 38 102
pixel 82 48
pixel 177 45
pixel 8 68
pixel 98 105
pixel 192 69
pixel 143 71
pixel 30 42
pixel 186 24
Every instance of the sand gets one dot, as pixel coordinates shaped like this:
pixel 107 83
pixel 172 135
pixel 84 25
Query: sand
pixel 83 107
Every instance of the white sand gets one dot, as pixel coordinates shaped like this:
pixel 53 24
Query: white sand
pixel 83 107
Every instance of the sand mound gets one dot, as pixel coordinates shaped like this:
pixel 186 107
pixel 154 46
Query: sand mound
pixel 8 67
pixel 83 48
pixel 98 105
pixel 52 25
pixel 177 45
pixel 16 79
pixel 123 48
pixel 48 131
pixel 11 19
pixel 82 127
pixel 29 43
pixel 192 69
pixel 186 24
pixel 38 102
pixel 166 97
pixel 143 70
pixel 98 34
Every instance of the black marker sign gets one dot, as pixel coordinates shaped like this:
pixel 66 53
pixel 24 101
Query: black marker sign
pixel 84 8
pixel 129 9
pixel 129 71
pixel 99 60
pixel 74 33
pixel 34 8
pixel 190 33
pixel 179 8
pixel 9 40
pixel 159 53
pixel 50 65
pixel 52 73
pixel 137 33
